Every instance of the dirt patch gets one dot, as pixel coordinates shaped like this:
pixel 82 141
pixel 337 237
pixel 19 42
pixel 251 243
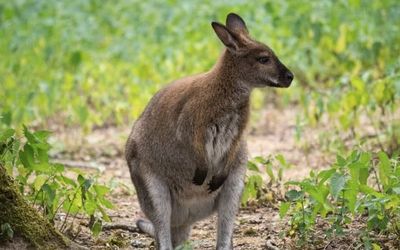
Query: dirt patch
pixel 256 227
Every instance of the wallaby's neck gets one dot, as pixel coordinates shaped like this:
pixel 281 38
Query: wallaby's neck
pixel 227 79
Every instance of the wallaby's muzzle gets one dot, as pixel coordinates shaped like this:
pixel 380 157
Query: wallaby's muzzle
pixel 285 76
pixel 287 79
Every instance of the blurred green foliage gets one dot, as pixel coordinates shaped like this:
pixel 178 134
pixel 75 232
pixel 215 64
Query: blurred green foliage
pixel 93 62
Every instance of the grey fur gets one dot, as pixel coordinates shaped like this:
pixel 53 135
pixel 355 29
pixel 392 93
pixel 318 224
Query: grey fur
pixel 170 201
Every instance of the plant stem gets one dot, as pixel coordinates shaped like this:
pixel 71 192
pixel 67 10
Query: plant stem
pixel 304 219
pixel 69 208
pixel 376 176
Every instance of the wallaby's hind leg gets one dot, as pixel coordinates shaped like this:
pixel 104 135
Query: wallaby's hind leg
pixel 180 234
pixel 155 201
pixel 228 205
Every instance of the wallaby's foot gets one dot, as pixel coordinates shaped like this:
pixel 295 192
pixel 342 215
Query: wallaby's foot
pixel 180 235
pixel 145 226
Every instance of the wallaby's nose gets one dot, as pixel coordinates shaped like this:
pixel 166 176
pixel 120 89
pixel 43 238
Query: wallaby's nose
pixel 289 76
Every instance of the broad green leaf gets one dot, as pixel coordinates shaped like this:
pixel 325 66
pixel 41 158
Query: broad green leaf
pixel 50 193
pixel 59 168
pixel 364 174
pixel 106 203
pixel 351 194
pixel 384 168
pixel 6 118
pixel 80 179
pixel 43 167
pixel 27 157
pixel 337 182
pixel 101 190
pixel 261 160
pixel 268 169
pixel 325 175
pixel 86 184
pixel 39 181
pixel 42 155
pixel 315 193
pixel 90 206
pixel 340 161
pixel 29 136
pixel 68 181
pixel 376 246
pixel 6 134
pixel 281 160
pixel 256 180
pixel 105 216
pixel 96 228
pixel 42 135
pixel 252 166
pixel 368 190
pixel 283 209
pixel 294 195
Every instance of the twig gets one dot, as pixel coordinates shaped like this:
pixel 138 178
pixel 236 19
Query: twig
pixel 327 245
pixel 271 245
pixel 112 226
pixel 376 176
pixel 70 206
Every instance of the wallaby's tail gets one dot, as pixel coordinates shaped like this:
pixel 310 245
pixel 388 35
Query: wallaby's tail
pixel 145 226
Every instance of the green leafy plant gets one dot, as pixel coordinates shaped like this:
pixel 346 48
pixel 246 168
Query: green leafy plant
pixel 350 188
pixel 256 188
pixel 185 246
pixel 6 231
pixel 50 186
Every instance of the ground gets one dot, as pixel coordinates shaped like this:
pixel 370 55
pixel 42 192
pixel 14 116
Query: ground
pixel 257 227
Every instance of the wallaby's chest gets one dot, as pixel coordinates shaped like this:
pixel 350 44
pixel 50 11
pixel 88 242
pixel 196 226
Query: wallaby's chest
pixel 220 137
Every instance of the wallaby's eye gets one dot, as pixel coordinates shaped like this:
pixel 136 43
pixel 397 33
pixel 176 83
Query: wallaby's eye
pixel 263 59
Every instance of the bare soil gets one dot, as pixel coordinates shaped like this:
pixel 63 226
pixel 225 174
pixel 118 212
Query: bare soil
pixel 257 227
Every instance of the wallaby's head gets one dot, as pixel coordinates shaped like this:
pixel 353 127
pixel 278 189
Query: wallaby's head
pixel 255 62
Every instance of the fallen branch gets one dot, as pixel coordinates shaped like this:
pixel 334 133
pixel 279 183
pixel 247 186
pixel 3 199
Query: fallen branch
pixel 114 226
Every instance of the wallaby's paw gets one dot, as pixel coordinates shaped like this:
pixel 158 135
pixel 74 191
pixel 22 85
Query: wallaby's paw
pixel 199 176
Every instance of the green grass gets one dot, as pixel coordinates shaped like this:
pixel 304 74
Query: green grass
pixel 91 63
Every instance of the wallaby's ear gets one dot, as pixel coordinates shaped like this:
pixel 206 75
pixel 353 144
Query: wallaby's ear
pixel 226 36
pixel 236 24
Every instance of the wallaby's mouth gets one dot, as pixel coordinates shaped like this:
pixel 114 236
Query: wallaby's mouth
pixel 283 81
pixel 278 84
pixel 275 85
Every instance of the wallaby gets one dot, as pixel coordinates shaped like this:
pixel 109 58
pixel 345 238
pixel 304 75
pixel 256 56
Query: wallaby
pixel 186 152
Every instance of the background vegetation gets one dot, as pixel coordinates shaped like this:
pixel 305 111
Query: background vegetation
pixel 91 64
pixel 98 62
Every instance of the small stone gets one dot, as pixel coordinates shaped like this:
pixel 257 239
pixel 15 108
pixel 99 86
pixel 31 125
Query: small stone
pixel 138 244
